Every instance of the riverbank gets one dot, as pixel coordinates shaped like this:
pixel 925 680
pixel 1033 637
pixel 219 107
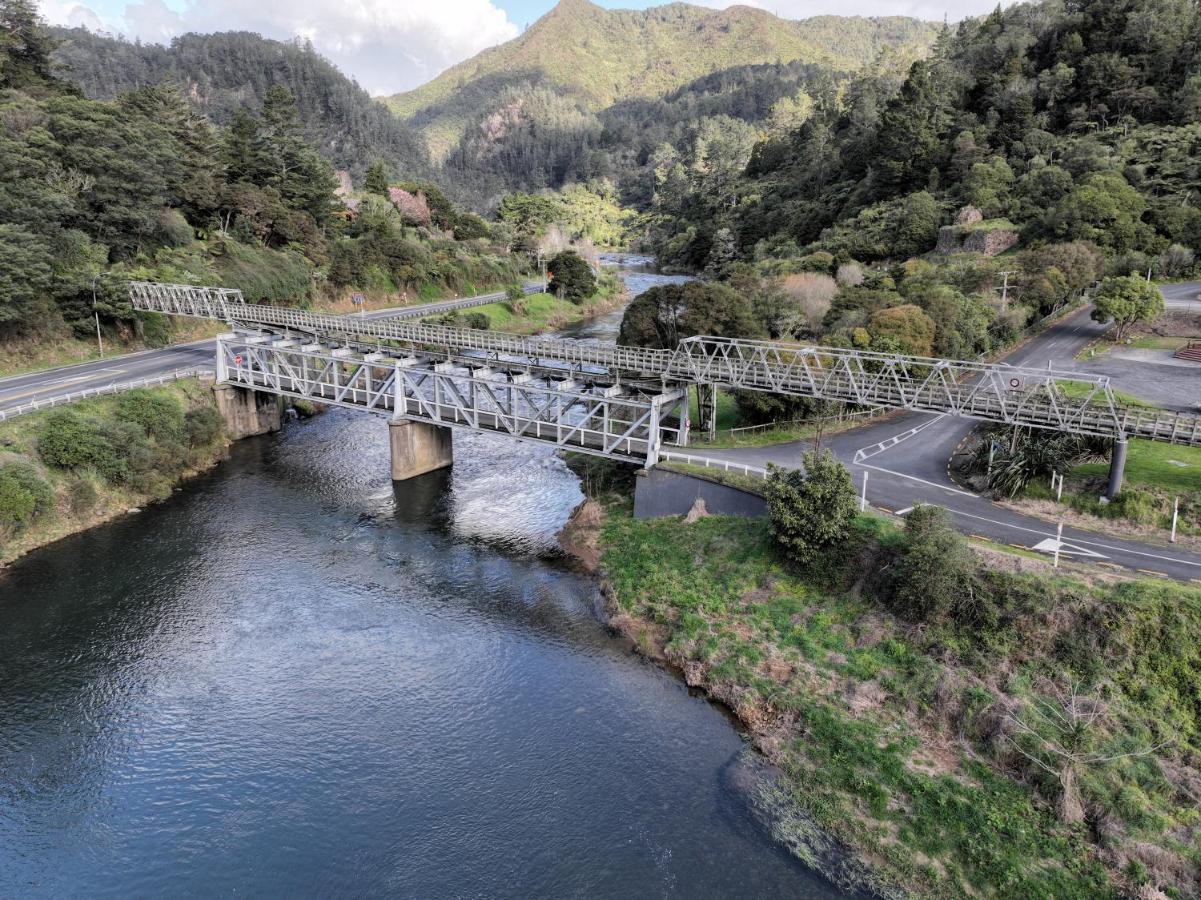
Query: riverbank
pixel 65 470
pixel 905 740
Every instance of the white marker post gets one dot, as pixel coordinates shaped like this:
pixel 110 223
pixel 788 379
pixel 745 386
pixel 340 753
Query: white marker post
pixel 1058 543
pixel 1175 516
pixel 863 499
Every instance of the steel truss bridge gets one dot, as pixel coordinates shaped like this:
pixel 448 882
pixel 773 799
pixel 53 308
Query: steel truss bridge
pixel 610 399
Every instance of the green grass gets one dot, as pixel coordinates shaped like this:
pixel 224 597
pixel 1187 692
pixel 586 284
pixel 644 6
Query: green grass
pixel 543 312
pixel 1154 464
pixel 1078 390
pixel 775 642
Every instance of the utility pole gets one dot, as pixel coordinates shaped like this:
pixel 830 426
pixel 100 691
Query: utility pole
pixel 96 313
pixel 1005 288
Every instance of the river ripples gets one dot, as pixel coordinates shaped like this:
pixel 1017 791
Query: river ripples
pixel 297 679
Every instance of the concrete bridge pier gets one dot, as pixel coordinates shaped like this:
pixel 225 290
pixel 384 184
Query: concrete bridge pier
pixel 246 412
pixel 418 447
pixel 1117 467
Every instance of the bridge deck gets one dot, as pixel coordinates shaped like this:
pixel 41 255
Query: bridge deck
pixel 1057 400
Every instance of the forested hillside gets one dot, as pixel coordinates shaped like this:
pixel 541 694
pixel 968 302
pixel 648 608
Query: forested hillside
pixel 533 108
pixel 224 72
pixel 1073 120
pixel 144 186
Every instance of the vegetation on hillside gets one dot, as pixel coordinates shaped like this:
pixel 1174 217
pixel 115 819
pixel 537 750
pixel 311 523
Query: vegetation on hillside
pixel 63 470
pixel 224 72
pixel 971 730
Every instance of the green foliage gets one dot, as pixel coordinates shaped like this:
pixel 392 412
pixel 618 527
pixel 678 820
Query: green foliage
pixel 159 416
pixel 571 277
pixel 68 440
pixel 906 325
pixel 811 509
pixel 934 575
pixel 375 181
pixel 1126 300
pixel 203 426
pixel 666 314
pixel 24 496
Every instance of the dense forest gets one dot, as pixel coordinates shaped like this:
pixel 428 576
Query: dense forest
pixel 145 185
pixel 222 73
pixel 1038 149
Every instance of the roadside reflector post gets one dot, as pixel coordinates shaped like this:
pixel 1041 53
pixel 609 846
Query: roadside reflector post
pixel 863 499
pixel 1058 543
pixel 1175 516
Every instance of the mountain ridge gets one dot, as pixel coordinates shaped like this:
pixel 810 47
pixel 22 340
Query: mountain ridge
pixel 596 57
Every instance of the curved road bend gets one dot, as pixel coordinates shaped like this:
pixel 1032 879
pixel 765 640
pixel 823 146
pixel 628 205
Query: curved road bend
pixel 906 460
pixel 18 390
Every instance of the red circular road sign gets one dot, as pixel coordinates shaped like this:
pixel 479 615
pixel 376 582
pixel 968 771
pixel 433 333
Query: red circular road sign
pixel 1015 382
pixel 238 360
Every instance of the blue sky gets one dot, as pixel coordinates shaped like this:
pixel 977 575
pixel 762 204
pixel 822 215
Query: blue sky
pixel 394 45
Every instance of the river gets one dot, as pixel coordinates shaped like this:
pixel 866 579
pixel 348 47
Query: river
pixel 296 679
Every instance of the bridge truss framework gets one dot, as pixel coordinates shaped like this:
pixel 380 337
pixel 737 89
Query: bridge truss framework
pixel 1063 401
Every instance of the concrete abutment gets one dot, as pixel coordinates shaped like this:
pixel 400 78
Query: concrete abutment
pixel 248 413
pixel 418 448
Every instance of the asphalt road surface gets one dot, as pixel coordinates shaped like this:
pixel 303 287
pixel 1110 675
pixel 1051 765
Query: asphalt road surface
pixel 19 390
pixel 915 469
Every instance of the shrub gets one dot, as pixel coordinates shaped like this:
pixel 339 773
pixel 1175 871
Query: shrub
pixel 24 496
pixel 515 293
pixel 571 277
pixel 477 320
pixel 821 261
pixel 81 495
pixel 159 415
pixel 70 441
pixel 1140 507
pixel 811 510
pixel 203 426
pixel 934 575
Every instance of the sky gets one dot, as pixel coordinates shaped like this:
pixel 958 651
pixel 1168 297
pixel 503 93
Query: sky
pixel 390 46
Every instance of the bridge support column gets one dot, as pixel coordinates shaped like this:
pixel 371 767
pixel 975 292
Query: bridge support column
pixel 248 412
pixel 1117 467
pixel 418 448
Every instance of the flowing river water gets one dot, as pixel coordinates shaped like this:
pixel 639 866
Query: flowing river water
pixel 296 679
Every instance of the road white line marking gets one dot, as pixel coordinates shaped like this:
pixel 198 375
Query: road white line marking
pixel 888 443
pixel 1050 545
pixel 73 378
pixel 941 487
pixel 1171 559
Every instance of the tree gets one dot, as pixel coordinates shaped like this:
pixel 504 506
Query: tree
pixel 911 328
pixel 934 574
pixel 376 179
pixel 811 509
pixel 1127 299
pixel 665 315
pixel 1104 209
pixel 571 277
pixel 25 47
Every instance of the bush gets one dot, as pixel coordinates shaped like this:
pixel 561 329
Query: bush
pixel 203 426
pixel 477 320
pixel 24 496
pixel 1140 507
pixel 81 495
pixel 70 441
pixel 811 510
pixel 159 415
pixel 571 277
pixel 933 578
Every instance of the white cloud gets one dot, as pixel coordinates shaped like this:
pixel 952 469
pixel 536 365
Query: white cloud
pixel 387 45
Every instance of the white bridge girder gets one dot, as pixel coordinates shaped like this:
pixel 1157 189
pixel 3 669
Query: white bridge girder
pixel 1063 401
pixel 574 417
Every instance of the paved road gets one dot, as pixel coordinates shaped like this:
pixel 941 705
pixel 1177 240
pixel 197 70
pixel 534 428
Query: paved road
pixel 19 390
pixel 914 470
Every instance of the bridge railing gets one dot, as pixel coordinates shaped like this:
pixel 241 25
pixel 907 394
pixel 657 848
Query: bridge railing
pixel 101 391
pixel 1059 400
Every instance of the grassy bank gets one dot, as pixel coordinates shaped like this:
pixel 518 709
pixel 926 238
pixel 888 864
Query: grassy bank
pixel 902 739
pixel 537 313
pixel 68 469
